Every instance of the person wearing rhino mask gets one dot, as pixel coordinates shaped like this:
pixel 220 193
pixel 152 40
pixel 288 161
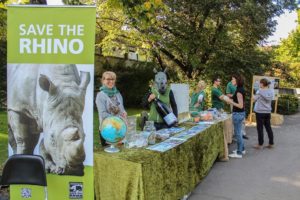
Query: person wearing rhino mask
pixel 163 92
pixel 109 101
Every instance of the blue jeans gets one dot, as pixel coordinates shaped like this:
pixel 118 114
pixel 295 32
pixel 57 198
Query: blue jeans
pixel 238 118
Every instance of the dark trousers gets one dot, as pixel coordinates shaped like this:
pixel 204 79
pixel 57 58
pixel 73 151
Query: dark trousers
pixel 264 119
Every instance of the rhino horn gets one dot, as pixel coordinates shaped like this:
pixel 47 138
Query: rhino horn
pixel 84 79
pixel 46 84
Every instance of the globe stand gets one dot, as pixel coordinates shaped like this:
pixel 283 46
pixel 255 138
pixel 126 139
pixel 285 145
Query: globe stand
pixel 111 149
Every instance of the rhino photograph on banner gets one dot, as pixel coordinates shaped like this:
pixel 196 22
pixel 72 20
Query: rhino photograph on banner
pixel 50 73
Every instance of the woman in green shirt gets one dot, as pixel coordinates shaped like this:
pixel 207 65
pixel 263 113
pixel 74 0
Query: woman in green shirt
pixel 198 98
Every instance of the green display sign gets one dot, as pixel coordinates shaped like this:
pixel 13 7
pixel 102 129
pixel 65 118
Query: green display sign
pixel 51 34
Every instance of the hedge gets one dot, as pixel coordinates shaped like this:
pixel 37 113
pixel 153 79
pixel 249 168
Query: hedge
pixel 287 104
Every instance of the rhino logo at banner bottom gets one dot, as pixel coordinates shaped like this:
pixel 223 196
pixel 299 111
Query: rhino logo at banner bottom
pixel 76 190
pixel 26 193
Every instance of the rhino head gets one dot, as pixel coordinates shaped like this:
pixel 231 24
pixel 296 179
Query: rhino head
pixel 63 143
pixel 160 81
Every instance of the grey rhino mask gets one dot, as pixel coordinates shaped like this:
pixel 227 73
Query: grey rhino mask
pixel 160 81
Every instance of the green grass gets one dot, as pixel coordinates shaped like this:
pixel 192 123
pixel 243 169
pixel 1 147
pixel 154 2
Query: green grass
pixel 4 138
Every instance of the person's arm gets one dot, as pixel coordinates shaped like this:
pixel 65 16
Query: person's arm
pixel 145 103
pixel 256 96
pixel 173 103
pixel 267 95
pixel 240 99
pixel 222 97
pixel 101 106
pixel 229 95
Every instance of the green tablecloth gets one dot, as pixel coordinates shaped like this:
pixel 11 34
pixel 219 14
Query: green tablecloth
pixel 135 174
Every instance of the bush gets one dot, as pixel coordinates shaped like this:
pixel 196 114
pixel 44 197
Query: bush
pixel 287 104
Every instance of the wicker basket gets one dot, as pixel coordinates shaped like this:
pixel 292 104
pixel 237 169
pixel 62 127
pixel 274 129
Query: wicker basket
pixel 276 119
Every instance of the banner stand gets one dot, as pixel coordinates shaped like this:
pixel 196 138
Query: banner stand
pixel 50 84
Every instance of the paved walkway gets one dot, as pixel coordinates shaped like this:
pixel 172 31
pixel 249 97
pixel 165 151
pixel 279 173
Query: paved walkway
pixel 268 174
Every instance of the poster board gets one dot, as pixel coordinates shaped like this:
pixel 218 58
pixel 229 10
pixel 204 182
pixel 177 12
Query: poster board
pixel 50 74
pixel 255 87
pixel 181 94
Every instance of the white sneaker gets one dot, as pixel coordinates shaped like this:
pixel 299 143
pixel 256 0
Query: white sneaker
pixel 235 155
pixel 243 152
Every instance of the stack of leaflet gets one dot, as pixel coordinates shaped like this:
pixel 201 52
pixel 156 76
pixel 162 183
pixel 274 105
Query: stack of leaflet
pixel 191 132
pixel 206 123
pixel 171 131
pixel 168 132
pixel 177 139
pixel 166 145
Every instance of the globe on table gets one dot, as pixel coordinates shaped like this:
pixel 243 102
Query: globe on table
pixel 113 130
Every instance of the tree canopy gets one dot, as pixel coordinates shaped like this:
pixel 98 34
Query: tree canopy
pixel 192 38
pixel 287 57
pixel 197 38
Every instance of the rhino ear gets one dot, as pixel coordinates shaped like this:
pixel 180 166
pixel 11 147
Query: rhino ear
pixel 46 84
pixel 166 69
pixel 84 79
pixel 155 70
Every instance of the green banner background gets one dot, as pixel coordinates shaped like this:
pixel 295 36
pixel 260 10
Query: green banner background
pixel 54 16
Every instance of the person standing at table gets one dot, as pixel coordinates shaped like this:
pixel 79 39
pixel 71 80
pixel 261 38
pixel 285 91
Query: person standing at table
pixel 198 98
pixel 109 101
pixel 238 116
pixel 161 91
pixel 230 90
pixel 217 97
pixel 262 108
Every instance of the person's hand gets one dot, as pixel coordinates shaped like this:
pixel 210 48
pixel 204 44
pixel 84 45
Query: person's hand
pixel 124 115
pixel 151 97
pixel 229 101
pixel 229 95
pixel 196 105
pixel 226 98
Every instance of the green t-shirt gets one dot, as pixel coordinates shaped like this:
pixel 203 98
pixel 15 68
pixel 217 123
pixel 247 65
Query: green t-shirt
pixel 230 89
pixel 165 98
pixel 216 102
pixel 194 100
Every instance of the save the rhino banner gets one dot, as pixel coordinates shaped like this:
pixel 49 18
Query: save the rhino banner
pixel 50 74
